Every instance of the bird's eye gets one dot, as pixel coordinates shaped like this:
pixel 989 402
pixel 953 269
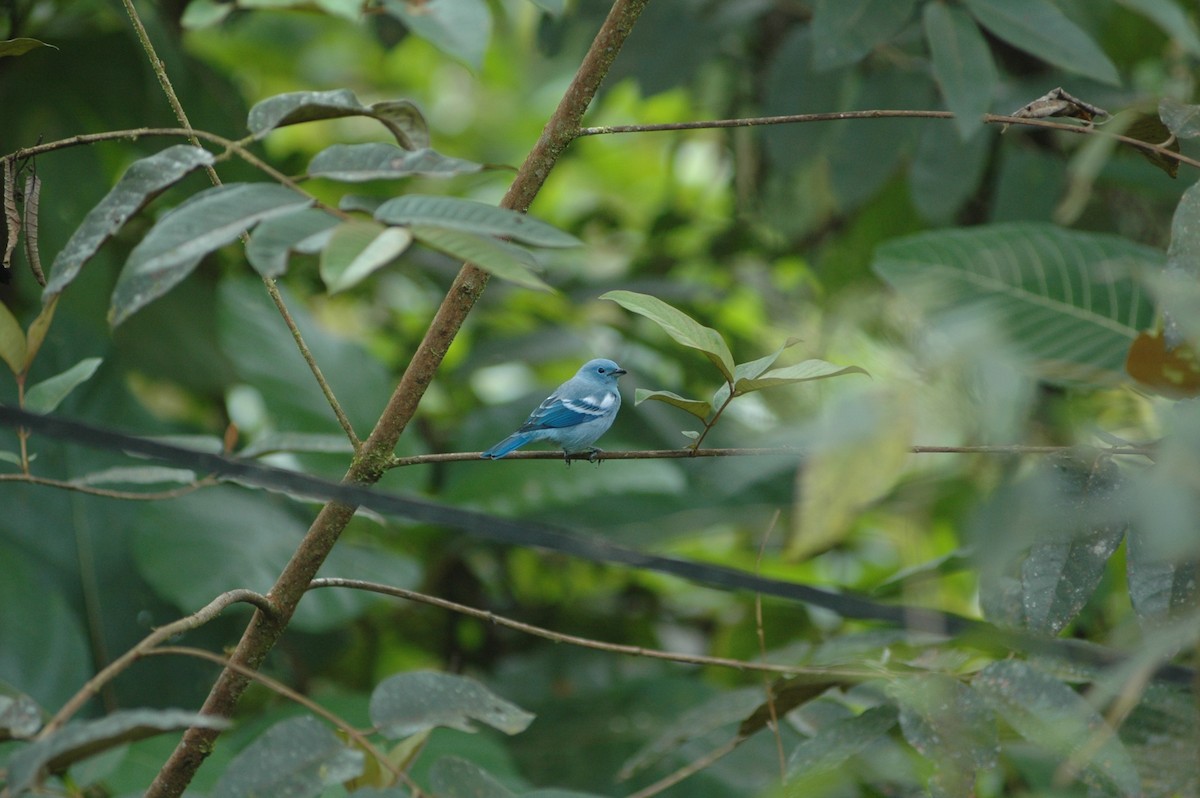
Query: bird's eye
pixel 600 369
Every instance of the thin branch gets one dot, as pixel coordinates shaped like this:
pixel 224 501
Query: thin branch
pixel 307 354
pixel 712 422
pixel 794 119
pixel 778 451
pixel 90 490
pixel 117 666
pixel 582 642
pixel 304 701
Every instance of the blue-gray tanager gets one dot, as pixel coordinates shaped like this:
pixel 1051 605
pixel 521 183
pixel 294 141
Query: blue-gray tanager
pixel 574 416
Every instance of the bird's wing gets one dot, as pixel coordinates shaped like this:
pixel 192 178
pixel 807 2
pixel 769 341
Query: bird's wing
pixel 566 411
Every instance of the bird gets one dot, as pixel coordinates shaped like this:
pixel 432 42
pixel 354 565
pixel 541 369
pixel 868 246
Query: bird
pixel 574 416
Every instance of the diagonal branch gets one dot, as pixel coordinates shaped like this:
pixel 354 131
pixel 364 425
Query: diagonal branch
pixel 372 459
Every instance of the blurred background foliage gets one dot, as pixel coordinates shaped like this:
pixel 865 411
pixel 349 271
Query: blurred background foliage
pixel 851 236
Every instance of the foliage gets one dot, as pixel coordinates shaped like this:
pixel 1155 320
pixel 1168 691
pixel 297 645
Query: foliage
pixel 993 536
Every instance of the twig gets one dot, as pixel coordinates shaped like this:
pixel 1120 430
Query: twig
pixel 114 668
pixel 776 451
pixel 582 642
pixel 795 119
pixel 173 493
pixel 312 706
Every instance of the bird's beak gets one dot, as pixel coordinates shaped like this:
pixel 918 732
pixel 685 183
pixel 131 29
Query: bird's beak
pixel 619 372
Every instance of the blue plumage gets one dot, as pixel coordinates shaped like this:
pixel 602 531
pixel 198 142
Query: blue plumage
pixel 575 415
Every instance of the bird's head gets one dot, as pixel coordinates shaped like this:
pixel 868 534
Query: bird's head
pixel 601 368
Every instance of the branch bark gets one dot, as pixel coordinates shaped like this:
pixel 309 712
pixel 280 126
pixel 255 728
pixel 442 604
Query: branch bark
pixel 372 460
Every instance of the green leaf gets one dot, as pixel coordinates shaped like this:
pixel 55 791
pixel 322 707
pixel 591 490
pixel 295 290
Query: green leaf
pixel 82 739
pixel 698 408
pixel 452 213
pixel 20 46
pixel 951 726
pixel 962 64
pixel 455 777
pixel 554 8
pixel 459 28
pixel 297 107
pixel 1182 120
pixel 402 117
pixel 1055 718
pixel 297 442
pixel 204 14
pixel 206 222
pixel 357 249
pixel 840 740
pixel 142 181
pixel 800 372
pixel 20 715
pixel 1066 298
pixel 37 331
pixel 1039 28
pixel 357 163
pixel 846 30
pixel 1064 569
pixel 1151 129
pixel 1173 20
pixel 137 475
pixel 680 326
pixel 408 703
pixel 1160 589
pixel 755 368
pixel 47 394
pixel 298 757
pixel 947 171
pixel 275 239
pixel 502 259
pixel 12 341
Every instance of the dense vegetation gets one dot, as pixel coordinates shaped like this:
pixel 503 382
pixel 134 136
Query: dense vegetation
pixel 935 530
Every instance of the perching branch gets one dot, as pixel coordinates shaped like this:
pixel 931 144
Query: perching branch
pixel 796 119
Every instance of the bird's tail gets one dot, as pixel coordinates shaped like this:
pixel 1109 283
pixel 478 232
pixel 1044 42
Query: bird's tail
pixel 514 441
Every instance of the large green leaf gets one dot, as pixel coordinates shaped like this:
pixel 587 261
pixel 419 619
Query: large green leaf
pixel 800 372
pixel 840 740
pixel 459 28
pixel 208 221
pixel 452 213
pixel 1039 28
pixel 846 30
pixel 20 46
pixel 12 341
pixel 698 408
pixel 680 326
pixel 275 239
pixel 46 395
pixel 142 181
pixel 82 739
pixel 1065 298
pixel 356 163
pixel 502 259
pixel 409 703
pixel 962 64
pixel 1058 720
pixel 402 117
pixel 1160 589
pixel 359 248
pixel 297 757
pixel 951 726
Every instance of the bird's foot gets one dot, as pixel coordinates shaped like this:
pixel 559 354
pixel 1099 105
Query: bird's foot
pixel 594 455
